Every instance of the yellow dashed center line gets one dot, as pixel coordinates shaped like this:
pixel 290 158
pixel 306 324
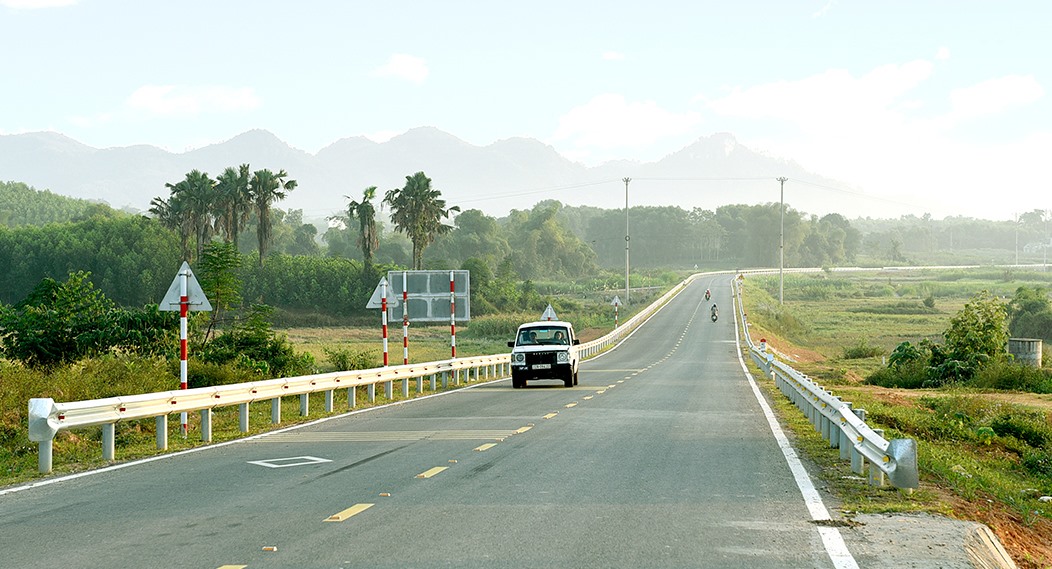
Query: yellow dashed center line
pixel 522 430
pixel 600 392
pixel 232 566
pixel 485 447
pixel 587 397
pixel 569 405
pixel 550 415
pixel 352 511
pixel 431 472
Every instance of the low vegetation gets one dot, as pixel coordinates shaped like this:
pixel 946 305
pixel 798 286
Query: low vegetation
pixel 983 421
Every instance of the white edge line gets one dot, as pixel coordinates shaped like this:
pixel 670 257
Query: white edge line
pixel 831 538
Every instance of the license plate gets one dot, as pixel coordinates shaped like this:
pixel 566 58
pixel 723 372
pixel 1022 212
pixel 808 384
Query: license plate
pixel 542 366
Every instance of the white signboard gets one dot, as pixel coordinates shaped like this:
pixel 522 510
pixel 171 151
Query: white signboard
pixel 198 302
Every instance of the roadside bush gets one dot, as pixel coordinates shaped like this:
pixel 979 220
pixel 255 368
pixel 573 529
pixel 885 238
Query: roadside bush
pixel 1013 377
pixel 497 325
pixel 862 350
pixel 1031 427
pixel 1038 462
pixel 911 375
pixel 345 359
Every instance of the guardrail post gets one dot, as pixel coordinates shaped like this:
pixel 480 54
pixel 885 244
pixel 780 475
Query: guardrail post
pixel 161 422
pixel 405 387
pixel 108 438
pixel 352 397
pixel 371 392
pixel 419 384
pixel 328 401
pixel 858 462
pixel 445 379
pixel 845 442
pixel 876 475
pixel 434 381
pixel 275 410
pixel 206 425
pixel 242 417
pixel 44 453
pixel 304 404
pixel 389 390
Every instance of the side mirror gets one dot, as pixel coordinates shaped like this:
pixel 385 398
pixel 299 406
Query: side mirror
pixel 511 343
pixel 576 342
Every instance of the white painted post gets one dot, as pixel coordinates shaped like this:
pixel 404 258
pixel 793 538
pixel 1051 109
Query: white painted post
pixel 108 438
pixel 161 423
pixel 206 425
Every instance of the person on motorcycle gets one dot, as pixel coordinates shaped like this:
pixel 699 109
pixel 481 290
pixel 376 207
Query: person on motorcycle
pixel 707 294
pixel 715 312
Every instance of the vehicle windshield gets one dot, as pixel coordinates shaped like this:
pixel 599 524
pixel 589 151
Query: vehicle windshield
pixel 543 335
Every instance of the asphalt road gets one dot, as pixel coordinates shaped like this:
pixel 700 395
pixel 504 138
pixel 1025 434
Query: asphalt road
pixel 661 457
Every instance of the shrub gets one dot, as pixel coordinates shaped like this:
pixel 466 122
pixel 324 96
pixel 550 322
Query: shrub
pixel 1031 427
pixel 1013 377
pixel 344 359
pixel 862 350
pixel 911 375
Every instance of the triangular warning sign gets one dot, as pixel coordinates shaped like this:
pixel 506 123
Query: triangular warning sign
pixel 616 301
pixel 377 297
pixel 198 302
pixel 549 314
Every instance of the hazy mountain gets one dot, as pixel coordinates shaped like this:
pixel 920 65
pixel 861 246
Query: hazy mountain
pixel 513 173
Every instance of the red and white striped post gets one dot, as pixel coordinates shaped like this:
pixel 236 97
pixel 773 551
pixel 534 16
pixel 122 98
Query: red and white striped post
pixel 405 319
pixel 616 306
pixel 383 313
pixel 452 317
pixel 184 307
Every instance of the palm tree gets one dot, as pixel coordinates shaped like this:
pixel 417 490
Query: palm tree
pixel 265 188
pixel 365 213
pixel 417 211
pixel 190 209
pixel 234 201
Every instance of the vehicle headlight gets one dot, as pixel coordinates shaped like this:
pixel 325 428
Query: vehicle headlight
pixel 519 358
pixel 562 357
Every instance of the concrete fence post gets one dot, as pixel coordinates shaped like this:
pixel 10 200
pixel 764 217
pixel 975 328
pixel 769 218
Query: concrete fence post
pixel 206 425
pixel 108 438
pixel 161 426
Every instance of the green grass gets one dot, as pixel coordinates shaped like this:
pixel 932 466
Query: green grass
pixel 972 443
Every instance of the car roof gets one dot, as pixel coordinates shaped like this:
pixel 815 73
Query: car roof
pixel 545 323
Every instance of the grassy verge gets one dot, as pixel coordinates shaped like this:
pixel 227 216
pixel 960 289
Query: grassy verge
pixel 984 454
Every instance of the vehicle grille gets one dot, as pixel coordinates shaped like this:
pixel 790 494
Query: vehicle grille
pixel 540 358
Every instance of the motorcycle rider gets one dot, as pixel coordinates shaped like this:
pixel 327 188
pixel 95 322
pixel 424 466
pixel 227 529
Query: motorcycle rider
pixel 715 312
pixel 707 294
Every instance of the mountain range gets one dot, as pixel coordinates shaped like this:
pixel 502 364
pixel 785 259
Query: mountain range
pixel 514 173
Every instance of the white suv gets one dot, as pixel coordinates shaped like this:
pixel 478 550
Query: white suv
pixel 544 350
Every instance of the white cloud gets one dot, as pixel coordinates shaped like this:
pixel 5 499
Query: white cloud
pixel 613 56
pixel 995 95
pixel 402 66
pixel 36 4
pixel 192 100
pixel 610 122
pixel 383 135
pixel 822 11
pixel 943 53
pixel 876 131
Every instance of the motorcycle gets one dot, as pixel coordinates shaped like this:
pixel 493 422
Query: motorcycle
pixel 715 313
pixel 707 295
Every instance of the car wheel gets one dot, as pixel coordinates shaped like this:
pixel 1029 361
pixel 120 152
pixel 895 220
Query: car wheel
pixel 516 383
pixel 575 378
pixel 568 380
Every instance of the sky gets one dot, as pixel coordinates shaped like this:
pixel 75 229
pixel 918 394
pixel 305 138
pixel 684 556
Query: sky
pixel 939 107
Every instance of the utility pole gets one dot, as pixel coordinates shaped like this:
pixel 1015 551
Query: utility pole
pixel 781 239
pixel 626 181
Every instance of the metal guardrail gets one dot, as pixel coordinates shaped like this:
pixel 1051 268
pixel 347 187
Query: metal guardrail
pixel 47 417
pixel 841 425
